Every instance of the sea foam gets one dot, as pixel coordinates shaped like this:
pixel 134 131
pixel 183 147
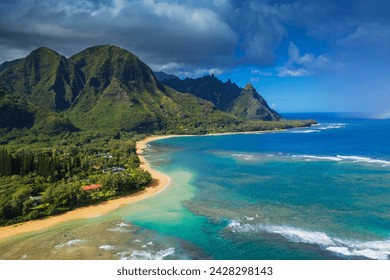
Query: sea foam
pixel 119 229
pixel 325 126
pixel 70 243
pixel 123 225
pixel 343 159
pixel 147 255
pixel 310 157
pixel 379 249
pixel 244 156
pixel 358 159
pixel 318 128
pixel 107 247
pixel 304 131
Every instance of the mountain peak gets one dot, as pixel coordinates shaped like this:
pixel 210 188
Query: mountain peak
pixel 100 64
pixel 44 51
pixel 112 50
pixel 162 76
pixel 245 103
pixel 249 86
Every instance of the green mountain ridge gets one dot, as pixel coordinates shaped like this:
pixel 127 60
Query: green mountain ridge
pixel 8 64
pixel 228 97
pixel 102 87
pixel 252 106
pixel 43 78
pixel 162 76
pixel 107 88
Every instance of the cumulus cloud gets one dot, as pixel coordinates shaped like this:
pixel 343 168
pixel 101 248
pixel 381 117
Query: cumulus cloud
pixel 180 69
pixel 261 72
pixel 301 65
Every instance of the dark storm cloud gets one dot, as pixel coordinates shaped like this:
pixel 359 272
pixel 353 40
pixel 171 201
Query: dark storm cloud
pixel 160 33
pixel 188 35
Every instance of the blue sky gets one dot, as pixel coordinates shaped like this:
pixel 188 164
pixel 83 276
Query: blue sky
pixel 301 55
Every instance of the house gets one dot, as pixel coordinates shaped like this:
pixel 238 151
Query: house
pixel 117 169
pixel 92 187
pixel 36 199
pixel 104 155
pixel 114 170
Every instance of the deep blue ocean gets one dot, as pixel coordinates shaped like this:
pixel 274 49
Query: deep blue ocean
pixel 321 192
pixel 310 193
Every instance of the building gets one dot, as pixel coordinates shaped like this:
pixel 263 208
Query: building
pixel 92 187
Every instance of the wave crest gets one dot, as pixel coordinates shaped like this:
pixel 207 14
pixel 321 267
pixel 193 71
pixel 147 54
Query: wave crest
pixel 147 255
pixel 69 243
pixel 372 249
pixel 345 159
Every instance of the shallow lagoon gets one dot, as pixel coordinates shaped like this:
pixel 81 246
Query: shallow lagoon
pixel 312 193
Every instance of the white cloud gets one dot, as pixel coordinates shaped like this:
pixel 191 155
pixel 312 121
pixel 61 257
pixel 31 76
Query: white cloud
pixel 286 72
pixel 301 65
pixel 261 72
pixel 180 70
pixel 196 72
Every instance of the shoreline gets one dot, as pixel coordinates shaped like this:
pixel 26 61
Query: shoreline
pixel 160 183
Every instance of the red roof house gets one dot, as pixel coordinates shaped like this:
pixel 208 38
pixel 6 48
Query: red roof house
pixel 92 187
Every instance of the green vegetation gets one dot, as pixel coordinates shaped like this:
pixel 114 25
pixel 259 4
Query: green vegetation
pixel 68 123
pixel 47 178
pixel 251 106
pixel 243 103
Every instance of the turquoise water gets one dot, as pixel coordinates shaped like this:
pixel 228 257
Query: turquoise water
pixel 315 193
pixel 311 193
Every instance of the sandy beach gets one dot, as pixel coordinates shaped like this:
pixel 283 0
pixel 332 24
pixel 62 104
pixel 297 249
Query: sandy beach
pixel 160 182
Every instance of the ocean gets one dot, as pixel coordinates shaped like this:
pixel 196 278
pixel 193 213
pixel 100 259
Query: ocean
pixel 308 193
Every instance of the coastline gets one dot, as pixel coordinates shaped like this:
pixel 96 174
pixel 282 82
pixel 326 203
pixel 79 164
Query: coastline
pixel 160 182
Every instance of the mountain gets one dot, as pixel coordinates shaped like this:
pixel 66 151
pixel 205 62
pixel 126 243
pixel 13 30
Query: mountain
pixel 121 92
pixel 43 78
pixel 100 88
pixel 15 113
pixel 228 97
pixel 252 106
pixel 8 64
pixel 161 76
pixel 108 89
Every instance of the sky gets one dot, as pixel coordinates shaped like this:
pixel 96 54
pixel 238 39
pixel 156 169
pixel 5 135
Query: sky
pixel 301 55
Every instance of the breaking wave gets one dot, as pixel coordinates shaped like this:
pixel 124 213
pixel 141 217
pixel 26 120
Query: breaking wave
pixel 146 255
pixel 310 157
pixel 346 159
pixel 365 160
pixel 244 156
pixel 119 229
pixel 319 127
pixel 337 158
pixel 370 249
pixel 325 126
pixel 305 131
pixel 107 247
pixel 123 225
pixel 69 243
